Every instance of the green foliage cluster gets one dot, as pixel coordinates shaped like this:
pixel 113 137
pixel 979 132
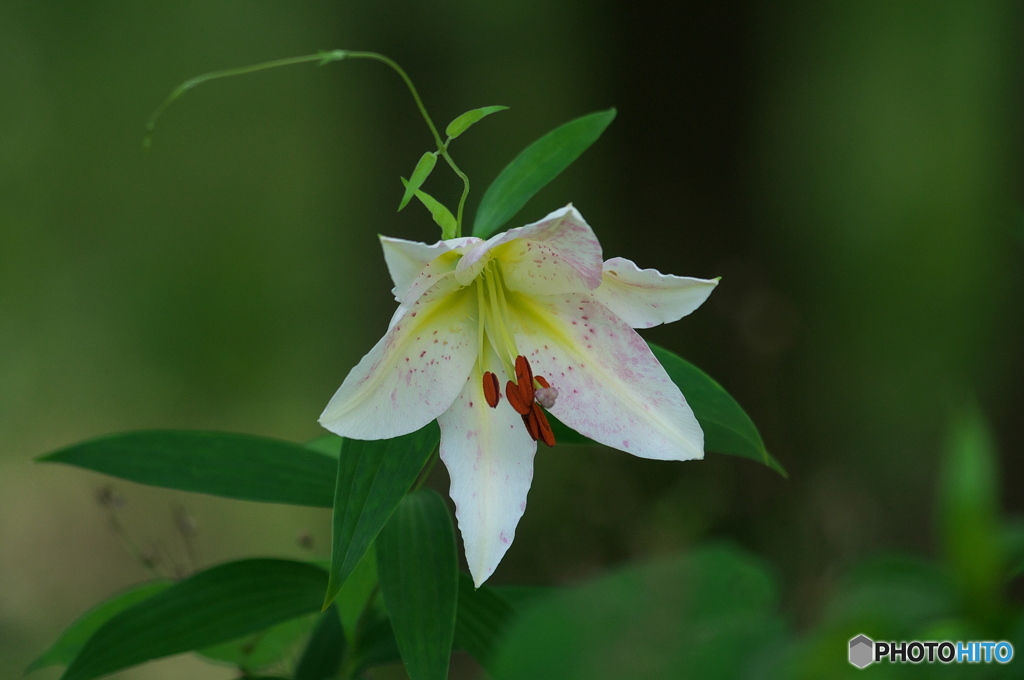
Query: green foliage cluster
pixel 713 612
pixel 392 590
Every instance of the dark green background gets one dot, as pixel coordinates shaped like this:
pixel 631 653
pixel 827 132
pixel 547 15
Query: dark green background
pixel 852 171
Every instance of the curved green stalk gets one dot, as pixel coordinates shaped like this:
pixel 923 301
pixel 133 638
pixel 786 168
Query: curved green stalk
pixel 325 58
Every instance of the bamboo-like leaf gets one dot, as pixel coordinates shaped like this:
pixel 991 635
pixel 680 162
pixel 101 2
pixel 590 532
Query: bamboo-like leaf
pixel 325 649
pixel 534 168
pixel 372 478
pixel 217 605
pixel 469 118
pixel 355 594
pixel 263 648
pixel 220 463
pixel 74 637
pixel 420 173
pixel 482 619
pixel 418 569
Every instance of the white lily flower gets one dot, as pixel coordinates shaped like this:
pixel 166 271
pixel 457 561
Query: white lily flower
pixel 535 309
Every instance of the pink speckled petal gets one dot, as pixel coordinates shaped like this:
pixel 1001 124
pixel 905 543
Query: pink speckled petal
pixel 406 259
pixel 416 267
pixel 489 456
pixel 413 374
pixel 610 386
pixel 645 297
pixel 559 254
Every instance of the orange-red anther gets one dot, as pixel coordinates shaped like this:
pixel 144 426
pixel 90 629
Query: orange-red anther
pixel 541 381
pixel 544 432
pixel 517 399
pixel 532 425
pixel 524 376
pixel 492 390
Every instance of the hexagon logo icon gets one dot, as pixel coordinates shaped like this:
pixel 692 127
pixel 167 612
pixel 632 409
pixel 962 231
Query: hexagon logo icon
pixel 862 651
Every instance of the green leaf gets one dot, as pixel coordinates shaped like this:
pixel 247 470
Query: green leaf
pixel 534 168
pixel 727 427
pixel 710 614
pixel 376 645
pixel 322 657
pixel 260 650
pixel 969 514
pixel 327 444
pixel 482 618
pixel 354 595
pixel 219 463
pixel 442 216
pixel 469 118
pixel 418 569
pixel 213 606
pixel 372 478
pixel 420 173
pixel 75 636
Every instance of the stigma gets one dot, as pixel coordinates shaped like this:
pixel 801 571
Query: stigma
pixel 525 399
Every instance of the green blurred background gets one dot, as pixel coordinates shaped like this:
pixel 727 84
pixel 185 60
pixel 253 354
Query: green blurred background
pixel 852 170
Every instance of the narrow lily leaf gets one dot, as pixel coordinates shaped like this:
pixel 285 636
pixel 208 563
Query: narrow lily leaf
pixel 261 649
pixel 534 168
pixel 469 118
pixel 213 606
pixel 219 463
pixel 372 477
pixel 376 645
pixel 969 515
pixel 75 636
pixel 419 175
pixel 354 595
pixel 322 657
pixel 727 427
pixel 442 216
pixel 419 580
pixel 328 444
pixel 482 618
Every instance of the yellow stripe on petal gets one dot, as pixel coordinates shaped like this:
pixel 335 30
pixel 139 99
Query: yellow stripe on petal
pixel 413 374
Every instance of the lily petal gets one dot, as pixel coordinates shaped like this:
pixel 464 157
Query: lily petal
pixel 406 259
pixel 409 261
pixel 489 456
pixel 611 388
pixel 558 254
pixel 645 297
pixel 413 373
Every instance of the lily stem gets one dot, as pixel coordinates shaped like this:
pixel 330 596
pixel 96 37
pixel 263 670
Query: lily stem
pixel 326 58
